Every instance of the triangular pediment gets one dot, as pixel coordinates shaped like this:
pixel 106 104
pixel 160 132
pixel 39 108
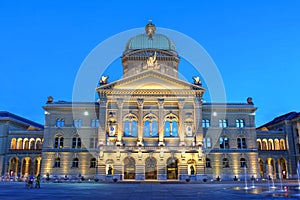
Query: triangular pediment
pixel 150 79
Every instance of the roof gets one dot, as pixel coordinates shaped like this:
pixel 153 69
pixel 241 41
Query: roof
pixel 287 116
pixel 7 115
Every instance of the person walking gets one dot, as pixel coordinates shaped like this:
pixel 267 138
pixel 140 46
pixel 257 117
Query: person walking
pixel 38 181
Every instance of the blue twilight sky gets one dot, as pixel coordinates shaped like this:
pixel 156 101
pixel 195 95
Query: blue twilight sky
pixel 254 43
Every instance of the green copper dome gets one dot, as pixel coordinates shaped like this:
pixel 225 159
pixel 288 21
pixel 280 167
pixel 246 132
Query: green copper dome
pixel 150 40
pixel 156 41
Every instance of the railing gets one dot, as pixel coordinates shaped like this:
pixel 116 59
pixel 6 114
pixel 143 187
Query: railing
pixel 149 148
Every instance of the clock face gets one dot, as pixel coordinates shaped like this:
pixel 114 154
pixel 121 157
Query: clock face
pixel 112 129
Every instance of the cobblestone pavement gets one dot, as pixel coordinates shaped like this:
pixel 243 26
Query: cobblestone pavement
pixel 143 190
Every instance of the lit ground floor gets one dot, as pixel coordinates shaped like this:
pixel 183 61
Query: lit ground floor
pixel 146 191
pixel 152 166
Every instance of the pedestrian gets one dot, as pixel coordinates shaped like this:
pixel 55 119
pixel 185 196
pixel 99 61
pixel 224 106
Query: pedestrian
pixel 30 181
pixel 38 181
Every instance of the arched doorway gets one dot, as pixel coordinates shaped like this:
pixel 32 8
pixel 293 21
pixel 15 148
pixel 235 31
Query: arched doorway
pixel 26 166
pixel 129 168
pixel 191 167
pixel 282 168
pixel 172 168
pixel 150 168
pixel 13 166
pixel 270 168
pixel 261 167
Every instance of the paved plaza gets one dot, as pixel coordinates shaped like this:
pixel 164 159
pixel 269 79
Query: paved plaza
pixel 143 190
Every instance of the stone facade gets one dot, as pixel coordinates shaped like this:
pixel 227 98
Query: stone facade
pixel 150 125
pixel 20 146
pixel 278 145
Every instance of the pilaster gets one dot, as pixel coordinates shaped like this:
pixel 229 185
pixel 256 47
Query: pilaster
pixel 181 122
pixel 120 122
pixel 161 122
pixel 102 121
pixel 140 124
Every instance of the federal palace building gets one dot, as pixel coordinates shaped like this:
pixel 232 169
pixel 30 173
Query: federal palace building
pixel 149 125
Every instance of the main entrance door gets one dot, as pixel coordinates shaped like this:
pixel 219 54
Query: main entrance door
pixel 129 168
pixel 150 168
pixel 172 168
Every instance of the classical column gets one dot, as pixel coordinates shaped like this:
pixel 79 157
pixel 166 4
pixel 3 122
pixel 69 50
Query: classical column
pixel 181 122
pixel 140 123
pixel 161 122
pixel 102 121
pixel 27 169
pixel 198 120
pixel 120 121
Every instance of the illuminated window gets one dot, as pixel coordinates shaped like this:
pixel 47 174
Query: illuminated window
pixel 205 123
pixel 76 142
pixel 58 142
pixel 240 123
pixel 224 142
pixel 223 123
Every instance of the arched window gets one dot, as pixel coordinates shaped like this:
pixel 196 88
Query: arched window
pixel 57 162
pixel 276 144
pixel 26 143
pixel 264 145
pixel 75 163
pixel 171 125
pixel 20 143
pixel 208 163
pixel 282 144
pixel 58 142
pixel 32 144
pixel 243 163
pixel 225 163
pixel 224 142
pixel 13 143
pixel 130 125
pixel 259 144
pixel 150 126
pixel 38 144
pixel 76 142
pixel 241 142
pixel 270 144
pixel 93 163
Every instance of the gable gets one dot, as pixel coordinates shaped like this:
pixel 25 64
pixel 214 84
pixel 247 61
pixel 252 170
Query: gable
pixel 149 80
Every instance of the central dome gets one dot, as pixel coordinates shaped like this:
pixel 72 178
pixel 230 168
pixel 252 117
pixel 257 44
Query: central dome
pixel 143 41
pixel 150 40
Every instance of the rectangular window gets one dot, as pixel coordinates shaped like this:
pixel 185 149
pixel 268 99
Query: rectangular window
pixel 205 123
pixel 240 123
pixel 95 123
pixel 77 122
pixel 223 123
